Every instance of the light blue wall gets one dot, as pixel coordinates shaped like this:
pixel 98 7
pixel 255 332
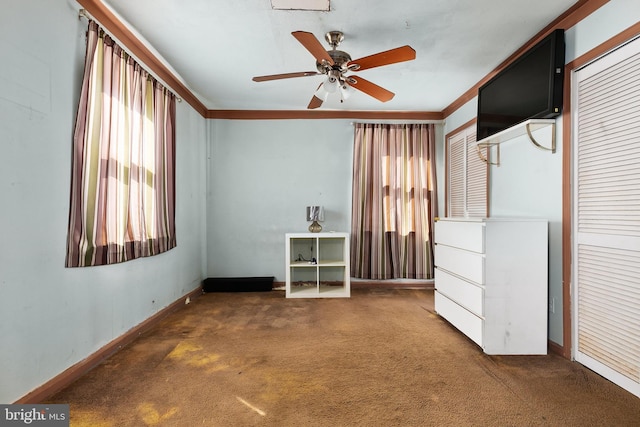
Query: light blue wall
pixel 529 181
pixel 52 317
pixel 263 174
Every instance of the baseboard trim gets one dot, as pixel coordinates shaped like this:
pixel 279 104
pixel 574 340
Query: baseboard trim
pixel 392 284
pixel 74 372
pixel 377 284
pixel 557 349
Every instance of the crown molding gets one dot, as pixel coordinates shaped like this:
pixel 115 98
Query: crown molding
pixel 568 19
pixel 323 114
pixel 135 47
pixel 113 25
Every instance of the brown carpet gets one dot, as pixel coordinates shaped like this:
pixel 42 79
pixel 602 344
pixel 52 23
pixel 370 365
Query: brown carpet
pixel 379 358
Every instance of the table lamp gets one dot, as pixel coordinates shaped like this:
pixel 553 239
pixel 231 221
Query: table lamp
pixel 315 214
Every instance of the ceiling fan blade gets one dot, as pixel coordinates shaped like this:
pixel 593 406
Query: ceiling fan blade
pixel 315 101
pixel 313 45
pixel 399 54
pixel 285 76
pixel 371 89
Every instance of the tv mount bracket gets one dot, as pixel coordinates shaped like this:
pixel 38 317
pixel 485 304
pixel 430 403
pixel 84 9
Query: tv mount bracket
pixel 524 128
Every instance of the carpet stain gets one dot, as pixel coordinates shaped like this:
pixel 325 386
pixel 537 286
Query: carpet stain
pixel 194 355
pixel 84 418
pixel 369 360
pixel 151 416
pixel 282 385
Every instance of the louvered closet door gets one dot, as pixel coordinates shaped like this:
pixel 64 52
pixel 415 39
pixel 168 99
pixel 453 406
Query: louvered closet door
pixel 606 221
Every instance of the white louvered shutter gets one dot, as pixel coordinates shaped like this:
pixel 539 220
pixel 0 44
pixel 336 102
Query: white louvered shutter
pixel 468 174
pixel 477 171
pixel 607 216
pixel 456 165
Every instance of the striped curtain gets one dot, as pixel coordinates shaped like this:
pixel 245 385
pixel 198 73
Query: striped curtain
pixel 122 203
pixel 394 201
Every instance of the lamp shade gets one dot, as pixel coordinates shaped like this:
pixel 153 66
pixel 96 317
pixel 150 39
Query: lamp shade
pixel 331 85
pixel 345 91
pixel 315 213
pixel 322 93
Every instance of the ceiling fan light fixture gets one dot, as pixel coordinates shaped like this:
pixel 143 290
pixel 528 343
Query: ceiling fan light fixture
pixel 334 64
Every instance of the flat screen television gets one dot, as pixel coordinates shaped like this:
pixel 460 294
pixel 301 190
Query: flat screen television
pixel 528 88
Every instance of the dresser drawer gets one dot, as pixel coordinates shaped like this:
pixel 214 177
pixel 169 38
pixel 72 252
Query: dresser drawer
pixel 459 234
pixel 467 322
pixel 464 293
pixel 469 265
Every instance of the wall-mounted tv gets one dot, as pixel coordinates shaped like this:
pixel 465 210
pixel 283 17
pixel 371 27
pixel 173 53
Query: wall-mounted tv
pixel 528 88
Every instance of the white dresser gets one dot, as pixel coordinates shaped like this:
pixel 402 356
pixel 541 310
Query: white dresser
pixel 491 281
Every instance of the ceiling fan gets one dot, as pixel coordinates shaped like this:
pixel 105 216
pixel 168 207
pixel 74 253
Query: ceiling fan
pixel 335 64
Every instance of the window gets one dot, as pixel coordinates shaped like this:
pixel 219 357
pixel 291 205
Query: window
pixel 466 176
pixel 122 203
pixel 394 201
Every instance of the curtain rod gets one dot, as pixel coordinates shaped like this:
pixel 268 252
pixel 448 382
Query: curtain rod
pixel 82 13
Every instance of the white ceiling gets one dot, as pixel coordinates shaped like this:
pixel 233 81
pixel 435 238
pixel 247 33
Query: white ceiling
pixel 217 46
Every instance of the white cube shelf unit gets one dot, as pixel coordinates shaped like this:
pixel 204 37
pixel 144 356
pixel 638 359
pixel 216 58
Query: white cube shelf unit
pixel 317 265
